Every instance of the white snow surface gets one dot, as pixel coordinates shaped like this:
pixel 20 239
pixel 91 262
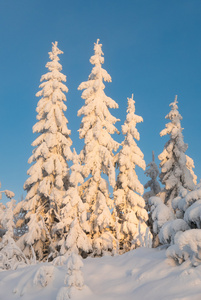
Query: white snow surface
pixel 139 274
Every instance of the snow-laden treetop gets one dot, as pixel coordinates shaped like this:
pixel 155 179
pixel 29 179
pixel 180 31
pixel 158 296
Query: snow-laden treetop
pixel 132 119
pixel 152 171
pixel 54 67
pixel 51 106
pixel 130 155
pixel 97 59
pixel 94 86
pixel 55 52
pixel 175 118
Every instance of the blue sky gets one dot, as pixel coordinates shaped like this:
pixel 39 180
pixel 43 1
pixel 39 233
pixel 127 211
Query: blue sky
pixel 152 49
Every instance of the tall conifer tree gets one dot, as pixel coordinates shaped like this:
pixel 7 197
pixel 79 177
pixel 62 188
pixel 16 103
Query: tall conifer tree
pixel 130 205
pixel 175 169
pixel 49 175
pixel 97 156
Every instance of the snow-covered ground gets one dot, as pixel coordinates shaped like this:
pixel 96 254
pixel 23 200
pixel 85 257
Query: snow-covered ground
pixel 139 274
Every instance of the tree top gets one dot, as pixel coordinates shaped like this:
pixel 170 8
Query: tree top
pixel 55 52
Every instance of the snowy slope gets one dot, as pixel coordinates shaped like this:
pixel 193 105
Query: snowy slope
pixel 143 274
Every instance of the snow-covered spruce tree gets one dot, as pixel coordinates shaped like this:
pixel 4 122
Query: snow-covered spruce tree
pixel 130 205
pixel 73 223
pixel 184 234
pixel 159 215
pixel 176 174
pixel 152 172
pixel 49 175
pixel 9 195
pixel 74 280
pixel 174 170
pixel 10 254
pixel 97 155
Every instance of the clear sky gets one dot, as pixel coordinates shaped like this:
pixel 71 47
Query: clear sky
pixel 152 49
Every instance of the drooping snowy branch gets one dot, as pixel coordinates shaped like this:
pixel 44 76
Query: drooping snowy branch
pixel 8 193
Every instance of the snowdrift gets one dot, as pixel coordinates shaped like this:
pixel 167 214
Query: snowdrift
pixel 139 274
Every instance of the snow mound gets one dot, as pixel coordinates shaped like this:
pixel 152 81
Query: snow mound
pixel 43 276
pixel 187 247
pixel 139 274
